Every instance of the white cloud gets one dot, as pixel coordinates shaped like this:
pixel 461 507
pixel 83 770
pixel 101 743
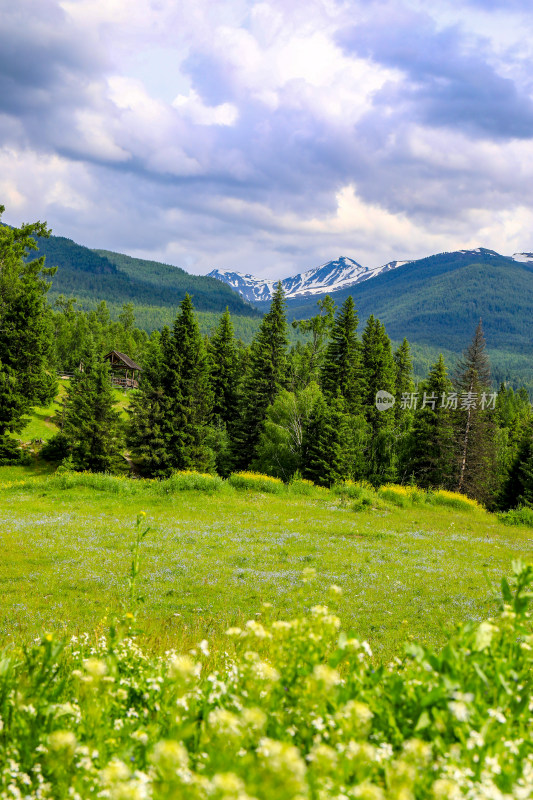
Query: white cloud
pixel 264 146
pixel 193 108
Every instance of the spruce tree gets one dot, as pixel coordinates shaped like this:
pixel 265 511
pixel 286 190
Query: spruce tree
pixel 147 424
pixel 90 424
pixel 26 338
pixel 378 374
pixel 187 397
pixel 403 411
pixel 432 460
pixel 341 368
pixel 475 433
pixel 223 370
pixel 332 443
pixel 264 378
pixel 518 487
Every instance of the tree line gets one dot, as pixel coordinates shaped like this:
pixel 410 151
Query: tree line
pixel 211 404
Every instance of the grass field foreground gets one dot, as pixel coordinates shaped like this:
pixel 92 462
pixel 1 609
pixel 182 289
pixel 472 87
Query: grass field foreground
pixel 216 552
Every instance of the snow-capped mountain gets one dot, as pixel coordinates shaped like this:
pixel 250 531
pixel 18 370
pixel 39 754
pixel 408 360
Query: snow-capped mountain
pixel 523 258
pixel 329 277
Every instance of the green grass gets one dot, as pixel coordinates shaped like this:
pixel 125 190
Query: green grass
pixel 212 557
pixel 41 422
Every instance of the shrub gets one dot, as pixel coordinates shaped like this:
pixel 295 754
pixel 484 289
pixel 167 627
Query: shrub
pixel 56 448
pixel 189 480
pixel 10 451
pixel 518 516
pixel 461 502
pixel 401 496
pixel 101 481
pixel 257 482
pixel 302 486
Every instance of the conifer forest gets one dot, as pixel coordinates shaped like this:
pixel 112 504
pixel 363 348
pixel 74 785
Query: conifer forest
pixel 211 404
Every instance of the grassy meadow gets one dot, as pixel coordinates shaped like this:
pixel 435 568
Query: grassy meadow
pixel 216 553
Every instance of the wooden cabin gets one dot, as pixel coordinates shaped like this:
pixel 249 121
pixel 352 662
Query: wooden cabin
pixel 124 371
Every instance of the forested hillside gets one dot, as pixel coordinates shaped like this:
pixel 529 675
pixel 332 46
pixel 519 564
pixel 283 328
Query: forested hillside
pixel 92 276
pixel 437 301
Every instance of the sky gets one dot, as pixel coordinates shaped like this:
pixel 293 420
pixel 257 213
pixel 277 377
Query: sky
pixel 269 137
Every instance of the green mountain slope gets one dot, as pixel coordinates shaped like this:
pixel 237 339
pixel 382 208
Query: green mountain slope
pixel 92 275
pixel 438 301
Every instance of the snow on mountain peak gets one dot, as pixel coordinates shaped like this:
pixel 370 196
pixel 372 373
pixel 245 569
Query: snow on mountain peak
pixel 523 258
pixel 329 277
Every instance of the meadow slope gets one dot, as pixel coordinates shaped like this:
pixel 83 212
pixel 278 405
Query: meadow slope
pixel 212 558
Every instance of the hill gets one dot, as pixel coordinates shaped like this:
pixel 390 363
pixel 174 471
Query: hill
pixel 92 275
pixel 437 301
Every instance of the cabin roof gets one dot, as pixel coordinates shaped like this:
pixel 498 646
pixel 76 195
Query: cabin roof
pixel 126 360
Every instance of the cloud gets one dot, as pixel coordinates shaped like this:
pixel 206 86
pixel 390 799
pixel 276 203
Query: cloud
pixel 449 78
pixel 264 136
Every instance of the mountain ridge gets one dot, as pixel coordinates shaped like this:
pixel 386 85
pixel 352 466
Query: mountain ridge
pixel 332 276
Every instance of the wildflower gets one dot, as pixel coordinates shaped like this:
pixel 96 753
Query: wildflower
pixel 308 574
pixel 228 783
pixel 368 791
pixel 417 751
pixel 324 758
pixel 446 789
pixel 224 723
pixel 335 590
pixel 234 632
pixel 140 736
pixel 497 714
pixel 115 771
pixel 459 710
pixel 95 668
pixel 63 742
pixel 355 718
pixel 263 671
pixel 484 636
pixel 256 629
pixel 254 719
pixel 183 668
pixel 168 757
pixel 326 677
pixel 474 740
pixel 283 761
pixel 204 647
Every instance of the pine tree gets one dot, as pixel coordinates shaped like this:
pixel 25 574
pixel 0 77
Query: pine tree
pixel 332 447
pixel 223 370
pixel 378 374
pixel 475 434
pixel 403 411
pixel 432 459
pixel 25 331
pixel 518 487
pixel 90 424
pixel 147 424
pixel 187 398
pixel 341 368
pixel 264 378
pixel 403 368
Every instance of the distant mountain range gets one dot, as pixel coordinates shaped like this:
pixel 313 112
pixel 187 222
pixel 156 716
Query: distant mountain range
pixel 435 302
pixel 328 278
